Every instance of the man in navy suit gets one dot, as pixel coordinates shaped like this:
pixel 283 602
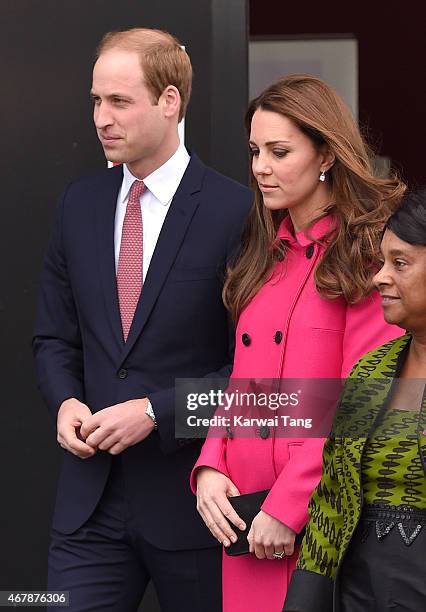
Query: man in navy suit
pixel 130 300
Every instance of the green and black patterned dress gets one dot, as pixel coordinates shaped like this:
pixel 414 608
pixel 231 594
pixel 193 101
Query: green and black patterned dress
pixel 392 470
pixel 371 499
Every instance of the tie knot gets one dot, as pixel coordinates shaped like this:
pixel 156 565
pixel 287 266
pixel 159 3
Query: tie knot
pixel 136 190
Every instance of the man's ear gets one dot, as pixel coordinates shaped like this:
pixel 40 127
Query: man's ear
pixel 328 158
pixel 170 101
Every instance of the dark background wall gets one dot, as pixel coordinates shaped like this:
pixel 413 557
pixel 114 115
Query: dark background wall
pixel 46 51
pixel 392 66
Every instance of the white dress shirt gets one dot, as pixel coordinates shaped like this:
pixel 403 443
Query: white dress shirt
pixel 161 186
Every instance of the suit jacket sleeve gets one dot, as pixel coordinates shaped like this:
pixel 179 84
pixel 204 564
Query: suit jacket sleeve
pixel 57 342
pixel 163 401
pixel 164 404
pixel 288 499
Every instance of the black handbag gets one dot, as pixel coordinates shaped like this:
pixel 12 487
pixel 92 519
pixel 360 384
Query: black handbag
pixel 247 507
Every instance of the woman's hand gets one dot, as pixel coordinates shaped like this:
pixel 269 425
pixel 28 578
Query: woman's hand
pixel 213 490
pixel 268 536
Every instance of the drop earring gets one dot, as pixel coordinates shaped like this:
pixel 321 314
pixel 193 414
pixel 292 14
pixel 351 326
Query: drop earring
pixel 322 176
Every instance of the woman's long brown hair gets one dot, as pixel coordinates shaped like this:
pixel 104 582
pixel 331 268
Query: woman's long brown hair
pixel 361 202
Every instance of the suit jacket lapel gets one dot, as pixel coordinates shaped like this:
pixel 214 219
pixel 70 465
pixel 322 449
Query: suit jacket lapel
pixel 181 211
pixel 106 202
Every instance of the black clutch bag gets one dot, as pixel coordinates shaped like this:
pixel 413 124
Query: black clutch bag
pixel 247 507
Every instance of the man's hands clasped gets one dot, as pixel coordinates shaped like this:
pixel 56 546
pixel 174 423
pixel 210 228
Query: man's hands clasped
pixel 112 429
pixel 71 417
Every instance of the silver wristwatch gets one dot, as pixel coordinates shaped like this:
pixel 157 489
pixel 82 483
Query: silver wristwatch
pixel 150 412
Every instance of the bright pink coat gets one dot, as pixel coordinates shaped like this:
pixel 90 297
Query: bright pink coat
pixel 321 338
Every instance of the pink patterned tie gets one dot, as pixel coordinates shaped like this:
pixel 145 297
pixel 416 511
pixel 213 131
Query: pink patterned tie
pixel 129 270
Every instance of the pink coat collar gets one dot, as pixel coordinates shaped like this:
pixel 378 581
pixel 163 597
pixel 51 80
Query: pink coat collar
pixel 315 232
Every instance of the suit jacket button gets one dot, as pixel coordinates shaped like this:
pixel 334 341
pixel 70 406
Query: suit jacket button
pixel 310 251
pixel 264 432
pixel 278 336
pixel 246 339
pixel 122 373
pixel 229 433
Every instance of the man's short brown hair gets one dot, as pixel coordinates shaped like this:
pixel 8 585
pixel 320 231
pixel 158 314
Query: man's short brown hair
pixel 163 61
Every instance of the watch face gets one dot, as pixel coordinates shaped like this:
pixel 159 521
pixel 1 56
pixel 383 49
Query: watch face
pixel 150 412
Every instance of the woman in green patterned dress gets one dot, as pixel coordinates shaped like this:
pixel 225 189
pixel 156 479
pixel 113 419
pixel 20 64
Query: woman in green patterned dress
pixel 365 544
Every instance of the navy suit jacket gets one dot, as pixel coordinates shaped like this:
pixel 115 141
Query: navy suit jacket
pixel 180 329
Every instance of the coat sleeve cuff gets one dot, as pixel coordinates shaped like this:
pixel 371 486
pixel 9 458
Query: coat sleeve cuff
pixel 295 521
pixel 309 592
pixel 213 455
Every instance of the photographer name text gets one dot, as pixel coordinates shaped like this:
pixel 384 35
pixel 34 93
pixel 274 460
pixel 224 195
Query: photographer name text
pixel 282 420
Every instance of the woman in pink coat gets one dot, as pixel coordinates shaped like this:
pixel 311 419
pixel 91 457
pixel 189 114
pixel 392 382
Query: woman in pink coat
pixel 301 293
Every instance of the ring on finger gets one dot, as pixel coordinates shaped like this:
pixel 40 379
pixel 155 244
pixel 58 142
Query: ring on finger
pixel 279 555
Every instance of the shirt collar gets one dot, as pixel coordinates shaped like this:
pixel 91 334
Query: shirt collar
pixel 164 181
pixel 314 232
